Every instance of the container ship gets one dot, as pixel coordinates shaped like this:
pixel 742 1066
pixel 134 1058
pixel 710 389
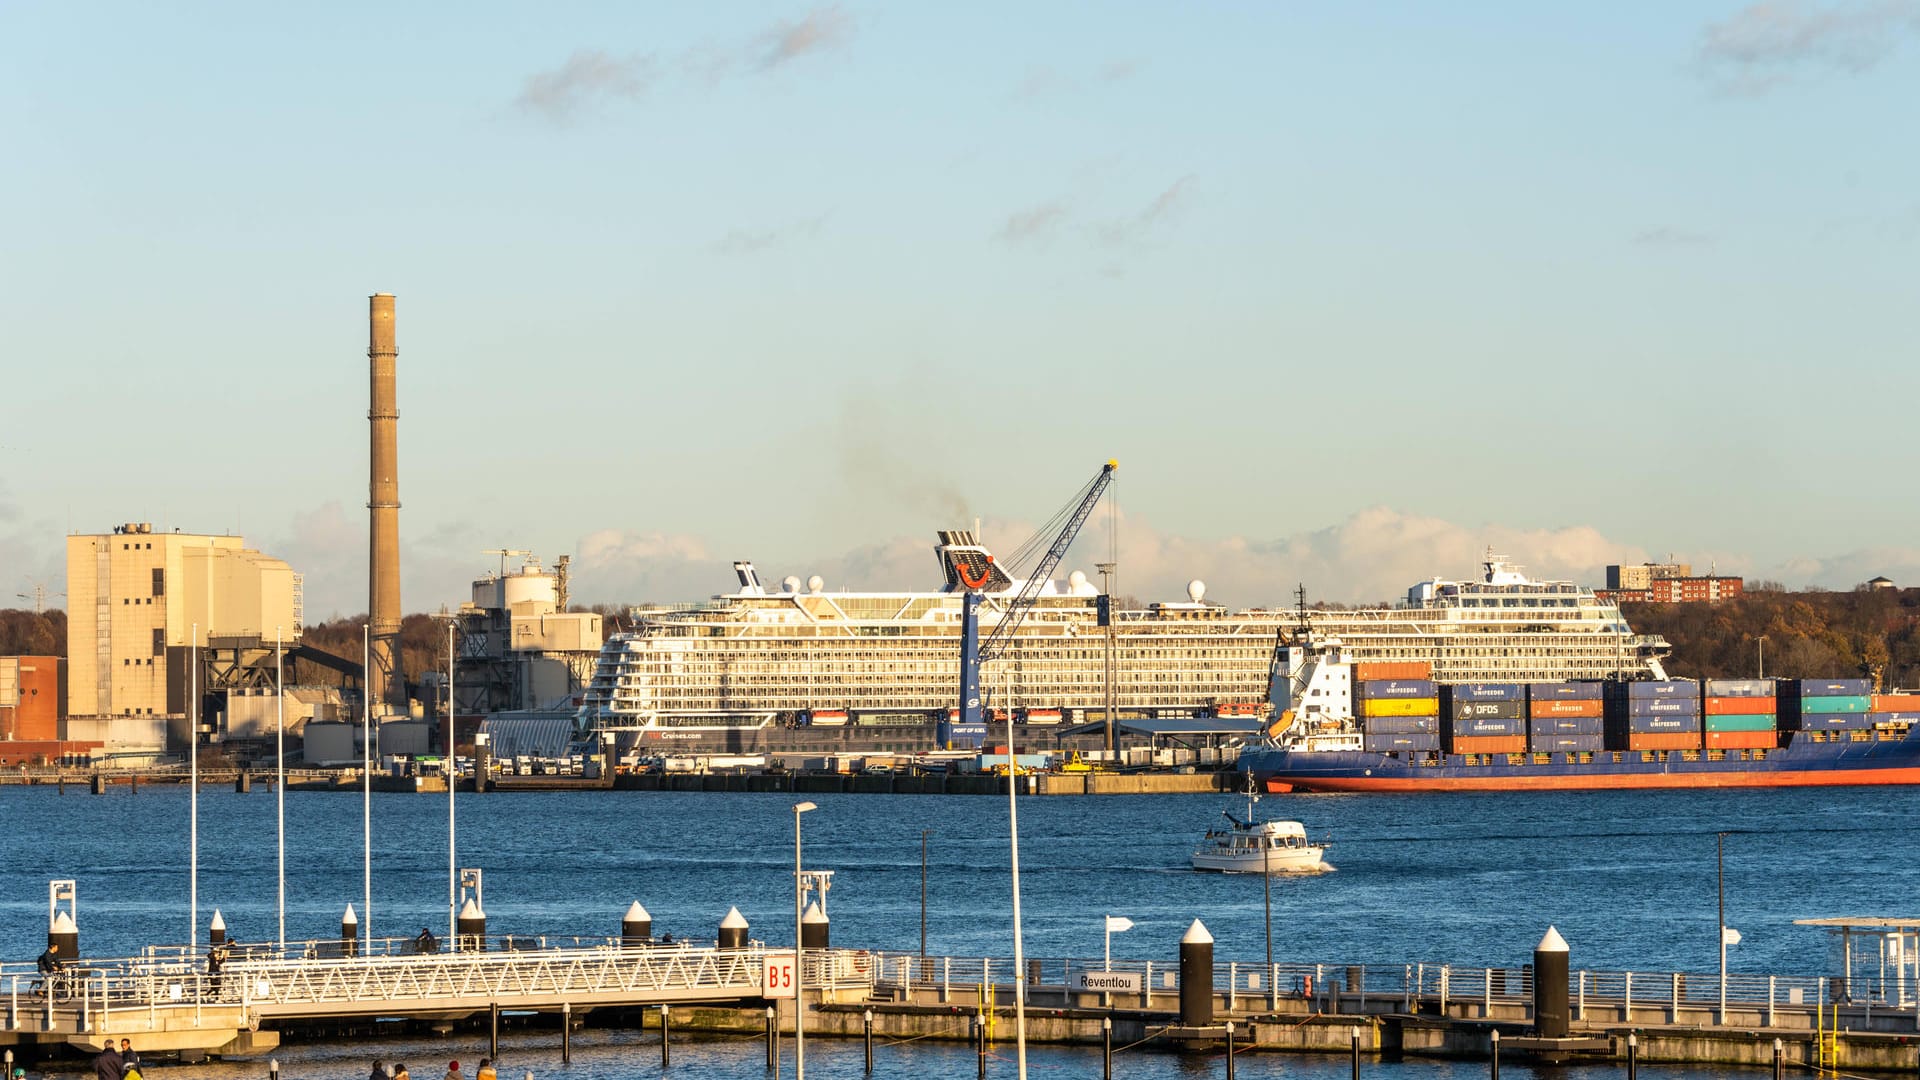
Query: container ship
pixel 737 671
pixel 1351 725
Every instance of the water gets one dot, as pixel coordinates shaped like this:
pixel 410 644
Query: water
pixel 1628 877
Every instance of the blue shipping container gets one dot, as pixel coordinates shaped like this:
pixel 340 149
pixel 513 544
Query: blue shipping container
pixel 1568 691
pixel 1662 689
pixel 1824 687
pixel 1904 717
pixel 1465 710
pixel 1565 744
pixel 1739 688
pixel 1485 692
pixel 1488 725
pixel 1395 688
pixel 1653 725
pixel 1381 744
pixel 1567 725
pixel 1400 725
pixel 1663 707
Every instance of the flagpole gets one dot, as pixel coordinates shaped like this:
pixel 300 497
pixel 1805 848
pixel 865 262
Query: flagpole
pixel 193 780
pixel 280 771
pixel 366 784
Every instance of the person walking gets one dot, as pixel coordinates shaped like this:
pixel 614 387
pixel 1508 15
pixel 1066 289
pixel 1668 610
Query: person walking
pixel 106 1064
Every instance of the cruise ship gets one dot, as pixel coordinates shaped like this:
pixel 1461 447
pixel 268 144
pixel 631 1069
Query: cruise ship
pixel 803 656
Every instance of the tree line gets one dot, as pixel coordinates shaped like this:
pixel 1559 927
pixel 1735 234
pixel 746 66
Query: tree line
pixel 1807 635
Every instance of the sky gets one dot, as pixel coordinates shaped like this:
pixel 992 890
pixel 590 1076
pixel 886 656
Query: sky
pixel 1351 291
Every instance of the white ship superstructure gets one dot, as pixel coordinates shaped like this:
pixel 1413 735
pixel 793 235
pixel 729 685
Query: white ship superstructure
pixel 758 657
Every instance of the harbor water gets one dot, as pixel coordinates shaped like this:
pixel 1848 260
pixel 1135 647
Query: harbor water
pixel 1629 878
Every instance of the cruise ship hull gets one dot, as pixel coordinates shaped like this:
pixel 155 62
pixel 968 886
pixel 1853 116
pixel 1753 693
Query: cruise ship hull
pixel 1803 763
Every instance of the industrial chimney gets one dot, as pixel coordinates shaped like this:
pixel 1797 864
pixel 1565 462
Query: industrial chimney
pixel 386 684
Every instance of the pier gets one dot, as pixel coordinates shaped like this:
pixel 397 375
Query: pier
pixel 165 1000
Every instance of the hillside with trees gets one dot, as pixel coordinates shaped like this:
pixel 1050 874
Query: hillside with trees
pixel 1808 635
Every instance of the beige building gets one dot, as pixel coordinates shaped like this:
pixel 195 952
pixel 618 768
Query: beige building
pixel 138 600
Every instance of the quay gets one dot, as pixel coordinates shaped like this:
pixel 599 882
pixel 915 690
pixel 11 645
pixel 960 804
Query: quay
pixel 166 1001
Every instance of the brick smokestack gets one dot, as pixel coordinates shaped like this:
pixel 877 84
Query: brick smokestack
pixel 386 683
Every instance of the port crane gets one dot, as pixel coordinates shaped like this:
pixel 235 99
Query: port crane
pixel 973 651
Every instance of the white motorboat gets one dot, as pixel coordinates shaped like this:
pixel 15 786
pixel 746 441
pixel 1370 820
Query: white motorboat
pixel 1253 846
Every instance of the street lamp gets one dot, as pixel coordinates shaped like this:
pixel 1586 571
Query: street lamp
pixel 799 954
pixel 1761 643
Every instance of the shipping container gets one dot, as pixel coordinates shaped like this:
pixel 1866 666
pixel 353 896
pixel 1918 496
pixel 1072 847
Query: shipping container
pixel 1488 744
pixel 1655 688
pixel 1462 710
pixel 1642 725
pixel 1895 716
pixel 1400 725
pixel 1485 692
pixel 1750 722
pixel 1739 706
pixel 1743 740
pixel 1486 725
pixel 1886 703
pixel 1564 691
pixel 1400 707
pixel 1804 688
pixel 1839 721
pixel 1566 725
pixel 1662 707
pixel 1739 688
pixel 1679 740
pixel 1370 670
pixel 1566 707
pixel 1372 689
pixel 1858 703
pixel 1410 742
pixel 1565 744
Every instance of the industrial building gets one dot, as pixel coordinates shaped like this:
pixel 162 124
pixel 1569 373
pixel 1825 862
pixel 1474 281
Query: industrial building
pixel 142 603
pixel 523 656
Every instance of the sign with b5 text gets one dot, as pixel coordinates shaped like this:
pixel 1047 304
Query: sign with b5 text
pixel 777 979
pixel 1121 982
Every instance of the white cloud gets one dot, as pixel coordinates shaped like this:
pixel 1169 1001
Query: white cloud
pixel 1769 43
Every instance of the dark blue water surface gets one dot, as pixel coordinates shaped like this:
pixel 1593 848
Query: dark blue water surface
pixel 1628 877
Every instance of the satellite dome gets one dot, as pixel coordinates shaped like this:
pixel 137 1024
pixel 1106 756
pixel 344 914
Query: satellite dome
pixel 1077 580
pixel 1196 590
pixel 816 583
pixel 790 583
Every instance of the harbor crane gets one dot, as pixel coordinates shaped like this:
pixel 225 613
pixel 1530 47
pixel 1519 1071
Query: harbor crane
pixel 975 652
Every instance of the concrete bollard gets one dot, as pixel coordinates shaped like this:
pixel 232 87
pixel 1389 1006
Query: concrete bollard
pixel 349 933
pixel 243 783
pixel 273 1069
pixel 1552 1018
pixel 636 927
pixel 1633 1055
pixel 63 937
pixel 733 930
pixel 814 931
pixel 216 930
pixel 1196 976
pixel 470 928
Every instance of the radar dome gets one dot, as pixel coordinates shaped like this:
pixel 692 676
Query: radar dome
pixel 1077 579
pixel 790 583
pixel 816 583
pixel 1196 590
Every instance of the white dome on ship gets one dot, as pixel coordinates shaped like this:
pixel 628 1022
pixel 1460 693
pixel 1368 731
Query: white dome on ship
pixel 790 583
pixel 816 583
pixel 1196 590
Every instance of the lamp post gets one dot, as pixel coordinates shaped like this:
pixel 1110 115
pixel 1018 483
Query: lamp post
pixel 193 780
pixel 924 833
pixel 280 772
pixel 453 873
pixel 366 780
pixel 799 954
pixel 1761 644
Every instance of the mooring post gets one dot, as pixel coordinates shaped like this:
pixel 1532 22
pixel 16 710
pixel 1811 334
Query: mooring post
pixel 493 1030
pixel 1778 1064
pixel 666 1029
pixel 773 1038
pixel 1356 1054
pixel 1106 1048
pixel 980 1043
pixel 1550 962
pixel 867 1020
pixel 1633 1056
pixel 1493 1040
pixel 273 1069
pixel 1229 1050
pixel 1196 976
pixel 566 1033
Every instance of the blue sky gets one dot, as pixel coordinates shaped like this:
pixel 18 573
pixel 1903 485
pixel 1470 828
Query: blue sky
pixel 1350 290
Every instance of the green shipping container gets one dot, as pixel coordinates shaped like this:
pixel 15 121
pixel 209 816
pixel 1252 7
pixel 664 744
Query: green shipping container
pixel 1747 722
pixel 1834 704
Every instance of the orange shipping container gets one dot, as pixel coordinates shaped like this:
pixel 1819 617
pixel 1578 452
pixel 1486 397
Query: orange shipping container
pixel 1742 740
pixel 1665 740
pixel 1741 706
pixel 1392 669
pixel 1896 702
pixel 1490 744
pixel 1565 707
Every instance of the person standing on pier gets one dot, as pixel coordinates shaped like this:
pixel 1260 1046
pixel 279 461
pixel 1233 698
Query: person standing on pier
pixel 453 1071
pixel 486 1070
pixel 380 1072
pixel 129 1061
pixel 106 1064
pixel 216 959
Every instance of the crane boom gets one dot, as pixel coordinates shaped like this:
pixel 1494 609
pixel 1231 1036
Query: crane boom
pixel 973 651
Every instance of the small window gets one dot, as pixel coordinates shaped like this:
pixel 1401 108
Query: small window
pixel 159 581
pixel 159 640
